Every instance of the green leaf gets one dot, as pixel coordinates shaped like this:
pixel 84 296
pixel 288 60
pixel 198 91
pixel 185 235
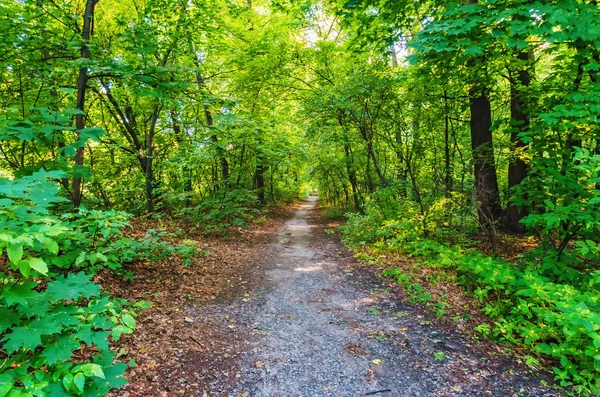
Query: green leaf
pixel 120 329
pixel 90 370
pixel 60 351
pixel 73 286
pixel 100 339
pixel 68 381
pixel 79 380
pixel 24 268
pixel 22 337
pixel 8 318
pixel 38 265
pixel 49 244
pixel 6 384
pixel 114 375
pixel 15 252
pixel 128 320
pixel 19 293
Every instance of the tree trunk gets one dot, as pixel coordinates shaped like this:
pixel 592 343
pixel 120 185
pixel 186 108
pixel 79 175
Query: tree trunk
pixel 517 169
pixel 484 165
pixel 208 115
pixel 88 16
pixel 149 170
pixel 352 177
pixel 259 181
pixel 448 185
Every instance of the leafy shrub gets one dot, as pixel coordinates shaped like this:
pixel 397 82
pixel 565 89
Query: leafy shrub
pixel 549 300
pixel 217 215
pixel 88 240
pixel 43 328
pixel 555 319
pixel 564 208
pixel 337 213
pixel 46 315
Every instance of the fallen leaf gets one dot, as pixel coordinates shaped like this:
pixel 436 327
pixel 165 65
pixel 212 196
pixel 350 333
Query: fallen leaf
pixel 377 361
pixel 259 364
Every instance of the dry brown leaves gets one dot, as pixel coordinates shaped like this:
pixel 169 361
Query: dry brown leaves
pixel 176 350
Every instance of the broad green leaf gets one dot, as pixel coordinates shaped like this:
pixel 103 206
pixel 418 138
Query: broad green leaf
pixel 89 370
pixel 15 252
pixel 50 244
pixel 68 381
pixel 8 318
pixel 22 337
pixel 39 265
pixel 79 380
pixel 19 293
pixel 128 320
pixel 60 351
pixel 73 286
pixel 6 384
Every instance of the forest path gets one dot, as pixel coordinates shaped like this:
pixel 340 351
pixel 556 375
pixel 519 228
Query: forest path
pixel 320 326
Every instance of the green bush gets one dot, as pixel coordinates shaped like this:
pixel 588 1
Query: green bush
pixel 545 301
pixel 42 327
pixel 216 215
pixel 525 307
pixel 47 313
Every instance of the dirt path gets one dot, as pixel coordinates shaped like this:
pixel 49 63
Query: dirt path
pixel 309 322
pixel 324 331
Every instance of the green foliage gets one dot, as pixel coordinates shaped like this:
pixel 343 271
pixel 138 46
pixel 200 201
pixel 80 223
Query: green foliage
pixel 372 227
pixel 86 239
pixel 42 328
pixel 557 319
pixel 567 207
pixel 46 312
pixel 218 215
pixel 336 213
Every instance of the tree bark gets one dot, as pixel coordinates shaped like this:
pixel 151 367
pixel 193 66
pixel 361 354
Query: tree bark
pixel 517 168
pixel 484 165
pixel 448 185
pixel 259 181
pixel 80 119
pixel 352 177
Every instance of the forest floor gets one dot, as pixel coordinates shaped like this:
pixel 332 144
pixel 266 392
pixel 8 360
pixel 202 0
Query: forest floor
pixel 285 310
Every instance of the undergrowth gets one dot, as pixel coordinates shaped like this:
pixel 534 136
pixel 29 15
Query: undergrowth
pixel 547 300
pixel 218 214
pixel 56 324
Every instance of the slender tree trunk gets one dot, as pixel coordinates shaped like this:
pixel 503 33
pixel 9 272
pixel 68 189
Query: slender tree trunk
pixel 222 160
pixel 259 181
pixel 208 115
pixel 352 176
pixel 149 163
pixel 88 16
pixel 393 56
pixel 402 164
pixel 448 185
pixel 384 182
pixel 370 183
pixel 517 168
